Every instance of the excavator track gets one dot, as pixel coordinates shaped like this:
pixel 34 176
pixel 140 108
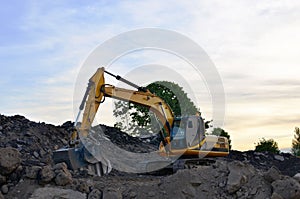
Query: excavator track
pixel 179 164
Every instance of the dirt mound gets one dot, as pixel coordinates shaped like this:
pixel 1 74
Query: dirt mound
pixel 34 141
pixel 127 142
pixel 221 180
pixel 26 166
pixel 285 162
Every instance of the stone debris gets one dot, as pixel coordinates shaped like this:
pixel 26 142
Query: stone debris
pixel 51 193
pixel 239 173
pixel 32 171
pixel 4 189
pixel 272 174
pixel 279 158
pixel 9 160
pixel 286 188
pixel 27 170
pixel 297 177
pixel 83 186
pixel 95 194
pixel 63 178
pixel 62 174
pixel 45 175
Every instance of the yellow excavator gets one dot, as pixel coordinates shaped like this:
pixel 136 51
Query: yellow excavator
pixel 180 136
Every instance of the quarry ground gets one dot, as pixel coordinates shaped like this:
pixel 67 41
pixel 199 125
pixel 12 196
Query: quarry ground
pixel 27 170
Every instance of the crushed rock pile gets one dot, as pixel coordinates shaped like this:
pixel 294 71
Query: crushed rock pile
pixel 285 162
pixel 220 180
pixel 34 141
pixel 27 170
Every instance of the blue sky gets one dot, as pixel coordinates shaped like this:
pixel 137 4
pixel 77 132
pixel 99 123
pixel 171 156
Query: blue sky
pixel 255 46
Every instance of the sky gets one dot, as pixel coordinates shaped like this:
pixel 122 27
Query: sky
pixel 254 45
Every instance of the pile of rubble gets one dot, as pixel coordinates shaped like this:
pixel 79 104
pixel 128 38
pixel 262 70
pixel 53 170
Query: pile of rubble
pixel 34 141
pixel 285 162
pixel 27 170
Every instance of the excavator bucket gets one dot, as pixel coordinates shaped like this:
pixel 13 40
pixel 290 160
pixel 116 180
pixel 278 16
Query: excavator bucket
pixel 77 158
pixel 71 156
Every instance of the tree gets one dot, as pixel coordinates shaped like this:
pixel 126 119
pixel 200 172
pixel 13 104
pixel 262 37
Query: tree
pixel 174 96
pixel 296 142
pixel 140 119
pixel 221 132
pixel 267 145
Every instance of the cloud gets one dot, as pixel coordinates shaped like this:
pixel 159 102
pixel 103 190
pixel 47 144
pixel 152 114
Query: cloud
pixel 254 45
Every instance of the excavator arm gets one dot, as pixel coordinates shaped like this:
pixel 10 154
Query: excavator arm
pixel 97 90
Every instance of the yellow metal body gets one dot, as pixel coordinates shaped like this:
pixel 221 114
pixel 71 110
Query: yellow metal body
pixel 98 90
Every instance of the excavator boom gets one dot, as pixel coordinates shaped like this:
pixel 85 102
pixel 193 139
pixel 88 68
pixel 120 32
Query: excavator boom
pixel 97 90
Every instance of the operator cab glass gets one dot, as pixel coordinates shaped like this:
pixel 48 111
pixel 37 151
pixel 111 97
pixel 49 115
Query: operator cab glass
pixel 187 132
pixel 178 140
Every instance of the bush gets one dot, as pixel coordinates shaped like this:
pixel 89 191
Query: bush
pixel 267 145
pixel 296 142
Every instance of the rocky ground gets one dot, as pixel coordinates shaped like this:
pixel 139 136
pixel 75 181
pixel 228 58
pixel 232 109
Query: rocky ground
pixel 27 170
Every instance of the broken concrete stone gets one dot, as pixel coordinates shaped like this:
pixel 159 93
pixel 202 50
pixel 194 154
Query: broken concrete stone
pixel 32 171
pixel 235 181
pixel 297 177
pixel 45 175
pixel 63 175
pixel 95 194
pixel 111 194
pixel 279 158
pixel 60 166
pixel 51 193
pixel 63 178
pixel 83 186
pixel 9 160
pixel 4 189
pixel 237 176
pixel 272 174
pixel 188 192
pixel 286 188
pixel 36 154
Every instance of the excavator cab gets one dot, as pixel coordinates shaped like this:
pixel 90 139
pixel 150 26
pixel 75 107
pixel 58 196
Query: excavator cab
pixel 187 132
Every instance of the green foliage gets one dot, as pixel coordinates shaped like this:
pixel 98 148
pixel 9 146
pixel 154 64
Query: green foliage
pixel 118 125
pixel 221 132
pixel 174 96
pixel 296 142
pixel 139 119
pixel 267 145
